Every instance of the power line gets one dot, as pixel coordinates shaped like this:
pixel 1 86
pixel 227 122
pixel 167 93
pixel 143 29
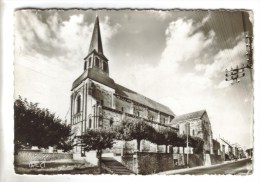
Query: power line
pixel 234 74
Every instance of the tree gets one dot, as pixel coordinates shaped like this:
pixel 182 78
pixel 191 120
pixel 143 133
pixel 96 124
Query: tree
pixel 34 126
pixel 197 144
pixel 98 139
pixel 131 129
pixel 165 136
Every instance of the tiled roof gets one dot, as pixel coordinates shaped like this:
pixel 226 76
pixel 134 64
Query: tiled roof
pixel 96 76
pixel 226 142
pixel 184 117
pixel 120 90
pixel 125 92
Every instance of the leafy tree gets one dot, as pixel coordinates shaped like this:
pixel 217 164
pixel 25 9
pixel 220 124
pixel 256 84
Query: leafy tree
pixel 165 136
pixel 197 144
pixel 98 139
pixel 34 126
pixel 131 129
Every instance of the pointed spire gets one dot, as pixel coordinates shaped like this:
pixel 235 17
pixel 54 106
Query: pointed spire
pixel 96 42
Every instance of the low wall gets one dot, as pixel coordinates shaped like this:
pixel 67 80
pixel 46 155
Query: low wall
pixel 216 159
pixel 194 159
pixel 27 156
pixel 148 163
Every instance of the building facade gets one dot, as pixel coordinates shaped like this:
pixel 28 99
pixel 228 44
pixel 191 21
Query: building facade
pixel 98 101
pixel 226 149
pixel 195 124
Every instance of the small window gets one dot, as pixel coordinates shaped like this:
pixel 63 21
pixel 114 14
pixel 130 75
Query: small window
pixel 78 104
pixel 89 62
pixel 122 109
pixel 111 122
pixel 89 123
pixel 193 132
pixel 97 62
pixel 102 102
pixel 85 65
pixel 138 114
pixel 105 66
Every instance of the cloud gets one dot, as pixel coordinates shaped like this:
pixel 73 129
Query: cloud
pixel 185 43
pixel 161 14
pixel 29 30
pixel 226 58
pixel 47 51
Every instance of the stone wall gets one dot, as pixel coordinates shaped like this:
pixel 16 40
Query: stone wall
pixel 215 159
pixel 140 111
pixel 100 93
pixel 108 115
pixel 153 116
pixel 164 119
pixel 148 163
pixel 27 156
pixel 123 105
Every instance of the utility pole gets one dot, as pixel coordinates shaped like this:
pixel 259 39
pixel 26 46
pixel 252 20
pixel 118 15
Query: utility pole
pixel 187 150
pixel 187 133
pixel 236 73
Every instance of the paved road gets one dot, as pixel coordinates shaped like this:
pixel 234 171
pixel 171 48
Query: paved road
pixel 241 167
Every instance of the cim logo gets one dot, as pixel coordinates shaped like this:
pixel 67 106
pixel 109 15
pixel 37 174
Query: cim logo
pixel 37 164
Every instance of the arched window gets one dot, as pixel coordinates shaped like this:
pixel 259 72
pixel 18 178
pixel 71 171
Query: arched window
pixel 78 104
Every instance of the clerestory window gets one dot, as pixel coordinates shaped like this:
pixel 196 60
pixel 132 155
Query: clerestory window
pixel 78 104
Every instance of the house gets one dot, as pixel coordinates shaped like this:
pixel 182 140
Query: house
pixel 226 149
pixel 196 124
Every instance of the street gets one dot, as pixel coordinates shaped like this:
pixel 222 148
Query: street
pixel 241 167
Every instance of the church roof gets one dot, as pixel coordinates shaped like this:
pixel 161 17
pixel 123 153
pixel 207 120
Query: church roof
pixel 132 95
pixel 96 42
pixel 121 90
pixel 184 117
pixel 96 76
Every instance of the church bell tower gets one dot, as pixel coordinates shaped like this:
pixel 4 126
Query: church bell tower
pixel 95 58
pixel 93 89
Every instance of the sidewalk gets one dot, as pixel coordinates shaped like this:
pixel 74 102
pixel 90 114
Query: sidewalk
pixel 177 171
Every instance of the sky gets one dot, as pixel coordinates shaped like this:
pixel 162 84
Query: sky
pixel 176 57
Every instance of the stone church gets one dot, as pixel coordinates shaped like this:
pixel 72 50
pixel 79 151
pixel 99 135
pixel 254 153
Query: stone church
pixel 98 101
